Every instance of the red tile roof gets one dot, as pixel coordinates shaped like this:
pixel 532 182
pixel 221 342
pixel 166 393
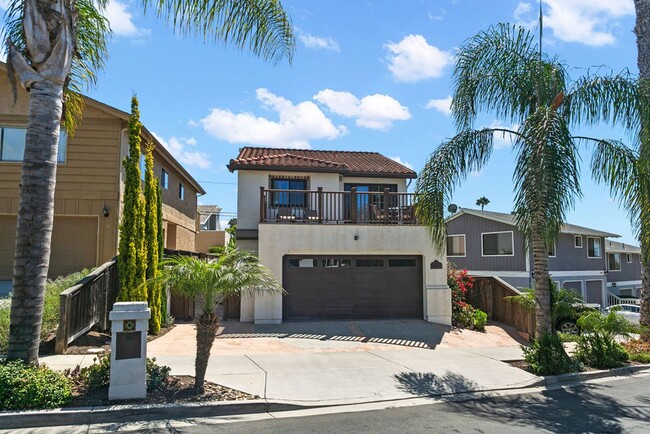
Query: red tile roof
pixel 351 163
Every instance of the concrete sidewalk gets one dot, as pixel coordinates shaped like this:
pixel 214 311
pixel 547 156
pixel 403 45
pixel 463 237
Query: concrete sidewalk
pixel 328 366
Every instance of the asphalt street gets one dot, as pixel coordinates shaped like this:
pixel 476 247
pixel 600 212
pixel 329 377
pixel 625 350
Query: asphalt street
pixel 607 405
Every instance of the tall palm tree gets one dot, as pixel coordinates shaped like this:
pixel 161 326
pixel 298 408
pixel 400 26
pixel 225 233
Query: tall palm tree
pixel 54 48
pixel 234 274
pixel 503 71
pixel 482 201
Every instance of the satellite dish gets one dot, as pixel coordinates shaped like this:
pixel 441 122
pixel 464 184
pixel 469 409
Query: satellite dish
pixel 452 208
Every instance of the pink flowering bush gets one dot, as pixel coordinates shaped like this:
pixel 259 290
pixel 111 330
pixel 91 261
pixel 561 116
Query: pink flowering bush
pixel 463 314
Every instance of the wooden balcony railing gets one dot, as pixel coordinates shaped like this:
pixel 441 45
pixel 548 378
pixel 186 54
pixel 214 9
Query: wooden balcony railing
pixel 337 207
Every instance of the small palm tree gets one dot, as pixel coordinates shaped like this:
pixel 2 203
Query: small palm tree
pixel 234 274
pixel 504 71
pixel 482 201
pixel 54 49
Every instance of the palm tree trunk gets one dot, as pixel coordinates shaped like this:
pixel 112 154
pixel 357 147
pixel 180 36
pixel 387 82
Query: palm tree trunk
pixel 35 219
pixel 641 29
pixel 206 331
pixel 542 289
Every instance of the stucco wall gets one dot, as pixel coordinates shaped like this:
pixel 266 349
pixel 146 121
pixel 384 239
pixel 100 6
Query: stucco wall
pixel 207 239
pixel 275 241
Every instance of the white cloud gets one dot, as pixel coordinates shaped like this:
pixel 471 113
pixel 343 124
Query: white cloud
pixel 178 147
pixel 319 43
pixel 584 21
pixel 122 21
pixel 403 163
pixel 413 59
pixel 377 112
pixel 443 105
pixel 501 139
pixel 297 124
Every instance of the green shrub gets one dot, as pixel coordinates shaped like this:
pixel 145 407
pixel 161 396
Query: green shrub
pixel 597 346
pixel 546 356
pixel 51 309
pixel 29 387
pixel 640 357
pixel 98 374
pixel 638 350
pixel 567 337
pixel 464 316
pixel 480 319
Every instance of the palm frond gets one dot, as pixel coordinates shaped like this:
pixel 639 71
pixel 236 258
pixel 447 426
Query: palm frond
pixel 500 70
pixel 546 175
pixel 450 164
pixel 618 100
pixel 261 25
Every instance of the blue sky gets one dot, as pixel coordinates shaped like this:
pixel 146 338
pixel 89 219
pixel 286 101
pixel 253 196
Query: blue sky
pixel 367 75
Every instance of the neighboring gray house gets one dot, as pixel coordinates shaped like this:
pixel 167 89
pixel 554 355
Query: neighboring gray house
pixel 488 244
pixel 624 269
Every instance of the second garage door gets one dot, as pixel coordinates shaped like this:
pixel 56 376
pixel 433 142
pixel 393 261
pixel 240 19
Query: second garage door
pixel 352 287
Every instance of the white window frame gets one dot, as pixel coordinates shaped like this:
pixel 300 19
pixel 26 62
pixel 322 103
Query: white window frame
pixel 619 261
pixel 164 179
pixel 576 238
pixel 554 250
pixel 181 191
pixel 464 246
pixel 601 248
pixel 628 258
pixel 512 236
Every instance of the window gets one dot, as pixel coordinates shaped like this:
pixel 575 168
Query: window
pixel 628 258
pixel 370 262
pixel 143 166
pixel 497 244
pixel 578 241
pixel 614 261
pixel 302 263
pixel 593 248
pixel 333 263
pixel 402 263
pixel 210 224
pixel 284 198
pixel 181 191
pixel 455 245
pixel 12 144
pixel 164 179
pixel 551 251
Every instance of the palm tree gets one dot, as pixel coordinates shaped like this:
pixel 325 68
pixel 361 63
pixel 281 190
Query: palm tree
pixel 482 201
pixel 54 48
pixel 234 274
pixel 504 71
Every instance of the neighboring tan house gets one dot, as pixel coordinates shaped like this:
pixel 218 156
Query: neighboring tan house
pixel 624 269
pixel 89 182
pixel 339 232
pixel 209 232
pixel 489 244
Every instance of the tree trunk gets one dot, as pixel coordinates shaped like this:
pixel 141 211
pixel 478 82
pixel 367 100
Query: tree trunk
pixel 542 289
pixel 206 331
pixel 643 62
pixel 35 219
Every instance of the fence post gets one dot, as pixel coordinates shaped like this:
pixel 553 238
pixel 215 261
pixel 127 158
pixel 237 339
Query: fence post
pixel 262 207
pixel 386 204
pixel 353 204
pixel 61 344
pixel 320 204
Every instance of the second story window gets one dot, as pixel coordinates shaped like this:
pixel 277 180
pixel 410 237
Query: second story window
pixel 181 191
pixel 164 179
pixel 628 258
pixel 285 198
pixel 12 144
pixel 456 245
pixel 614 261
pixel 551 251
pixel 497 244
pixel 593 248
pixel 578 241
pixel 211 223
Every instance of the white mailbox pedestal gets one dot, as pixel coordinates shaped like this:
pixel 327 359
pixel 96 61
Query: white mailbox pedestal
pixel 129 322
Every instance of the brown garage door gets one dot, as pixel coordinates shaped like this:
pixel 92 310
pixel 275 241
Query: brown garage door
pixel 352 287
pixel 74 245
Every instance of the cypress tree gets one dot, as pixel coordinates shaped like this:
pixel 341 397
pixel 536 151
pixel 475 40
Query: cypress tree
pixel 161 252
pixel 132 256
pixel 151 239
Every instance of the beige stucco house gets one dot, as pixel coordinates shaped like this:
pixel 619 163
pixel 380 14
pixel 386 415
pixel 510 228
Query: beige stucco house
pixel 209 230
pixel 89 186
pixel 338 229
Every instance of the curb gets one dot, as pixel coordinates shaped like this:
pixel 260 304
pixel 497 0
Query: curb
pixel 133 413
pixel 579 377
pixel 139 412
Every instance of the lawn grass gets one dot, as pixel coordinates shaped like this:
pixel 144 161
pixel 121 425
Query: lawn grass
pixel 50 310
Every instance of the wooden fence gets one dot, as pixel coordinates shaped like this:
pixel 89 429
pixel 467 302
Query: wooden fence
pixel 86 304
pixel 488 294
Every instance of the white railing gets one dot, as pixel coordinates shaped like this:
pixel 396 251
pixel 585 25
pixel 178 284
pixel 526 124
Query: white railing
pixel 613 299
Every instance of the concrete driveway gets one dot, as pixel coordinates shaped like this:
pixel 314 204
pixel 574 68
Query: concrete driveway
pixel 349 361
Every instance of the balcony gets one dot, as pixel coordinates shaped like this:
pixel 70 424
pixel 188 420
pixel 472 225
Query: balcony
pixel 337 207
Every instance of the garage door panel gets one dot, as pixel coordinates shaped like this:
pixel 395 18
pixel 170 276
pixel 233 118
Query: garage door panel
pixel 364 287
